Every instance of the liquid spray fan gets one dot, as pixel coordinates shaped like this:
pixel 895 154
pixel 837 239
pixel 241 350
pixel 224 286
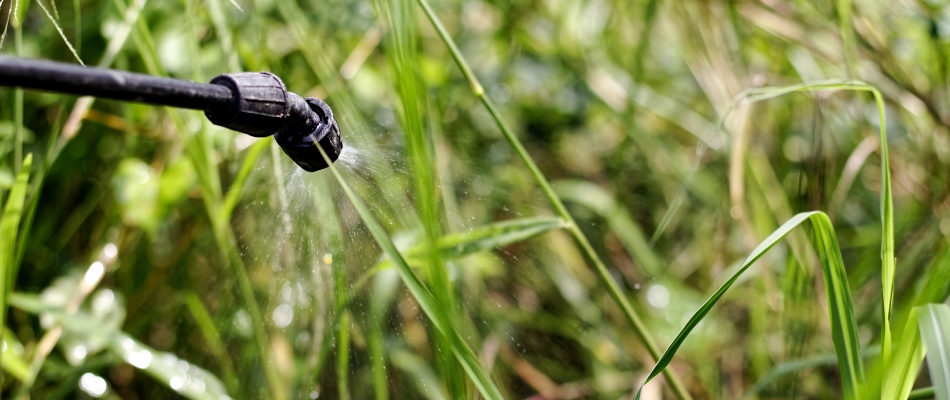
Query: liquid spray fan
pixel 255 103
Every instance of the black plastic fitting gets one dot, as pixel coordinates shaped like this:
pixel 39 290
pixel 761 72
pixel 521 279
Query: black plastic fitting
pixel 259 103
pixel 302 148
pixel 261 106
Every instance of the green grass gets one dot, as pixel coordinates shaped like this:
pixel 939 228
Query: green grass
pixel 841 312
pixel 537 198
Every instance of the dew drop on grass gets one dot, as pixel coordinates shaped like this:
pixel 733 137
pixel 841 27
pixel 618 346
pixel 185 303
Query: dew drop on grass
pixel 175 383
pixel 93 385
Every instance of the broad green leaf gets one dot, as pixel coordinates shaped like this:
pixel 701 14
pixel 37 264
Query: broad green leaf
pixel 436 312
pixel 81 322
pixel 185 378
pixel 9 227
pixel 843 326
pixel 934 322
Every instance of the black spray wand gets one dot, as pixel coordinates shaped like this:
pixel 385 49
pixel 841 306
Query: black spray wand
pixel 255 103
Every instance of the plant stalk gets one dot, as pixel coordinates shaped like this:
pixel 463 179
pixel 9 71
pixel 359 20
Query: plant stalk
pixel 602 272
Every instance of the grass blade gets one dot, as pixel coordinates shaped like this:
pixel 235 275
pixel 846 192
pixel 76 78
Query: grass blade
pixel 903 369
pixel 436 312
pixel 198 150
pixel 888 260
pixel 13 363
pixel 618 219
pixel 492 236
pixel 843 325
pixel 343 358
pixel 237 187
pixel 213 338
pixel 922 393
pixel 404 66
pixel 795 366
pixel 9 227
pixel 384 290
pixel 483 238
pixel 424 379
pixel 905 362
pixel 603 274
pixel 934 322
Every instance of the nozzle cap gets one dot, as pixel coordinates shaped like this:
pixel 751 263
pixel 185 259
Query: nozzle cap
pixel 301 146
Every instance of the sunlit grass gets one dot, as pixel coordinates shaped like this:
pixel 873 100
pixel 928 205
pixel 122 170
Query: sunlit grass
pixel 526 183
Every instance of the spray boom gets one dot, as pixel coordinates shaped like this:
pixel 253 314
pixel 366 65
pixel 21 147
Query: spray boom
pixel 255 103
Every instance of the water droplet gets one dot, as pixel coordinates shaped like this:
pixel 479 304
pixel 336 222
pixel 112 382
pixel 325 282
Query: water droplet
pixel 93 385
pixel 283 315
pixel 176 383
pixel 140 359
pixel 103 301
pixel 79 352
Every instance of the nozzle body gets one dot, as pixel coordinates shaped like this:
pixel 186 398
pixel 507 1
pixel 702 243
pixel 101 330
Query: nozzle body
pixel 262 106
pixel 259 103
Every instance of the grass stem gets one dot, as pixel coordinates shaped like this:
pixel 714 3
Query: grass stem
pixel 602 272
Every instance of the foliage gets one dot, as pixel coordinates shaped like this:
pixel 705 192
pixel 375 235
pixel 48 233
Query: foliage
pixel 540 177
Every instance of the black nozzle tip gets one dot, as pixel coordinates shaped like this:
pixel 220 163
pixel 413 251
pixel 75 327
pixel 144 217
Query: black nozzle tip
pixel 301 146
pixel 261 105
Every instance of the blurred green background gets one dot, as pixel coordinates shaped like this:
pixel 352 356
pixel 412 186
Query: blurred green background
pixel 157 255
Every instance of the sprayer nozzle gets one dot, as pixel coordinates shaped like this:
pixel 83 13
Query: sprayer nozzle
pixel 261 106
pixel 299 142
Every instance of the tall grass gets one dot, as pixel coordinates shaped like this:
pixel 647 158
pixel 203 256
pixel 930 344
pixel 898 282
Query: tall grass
pixel 632 317
pixel 523 184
